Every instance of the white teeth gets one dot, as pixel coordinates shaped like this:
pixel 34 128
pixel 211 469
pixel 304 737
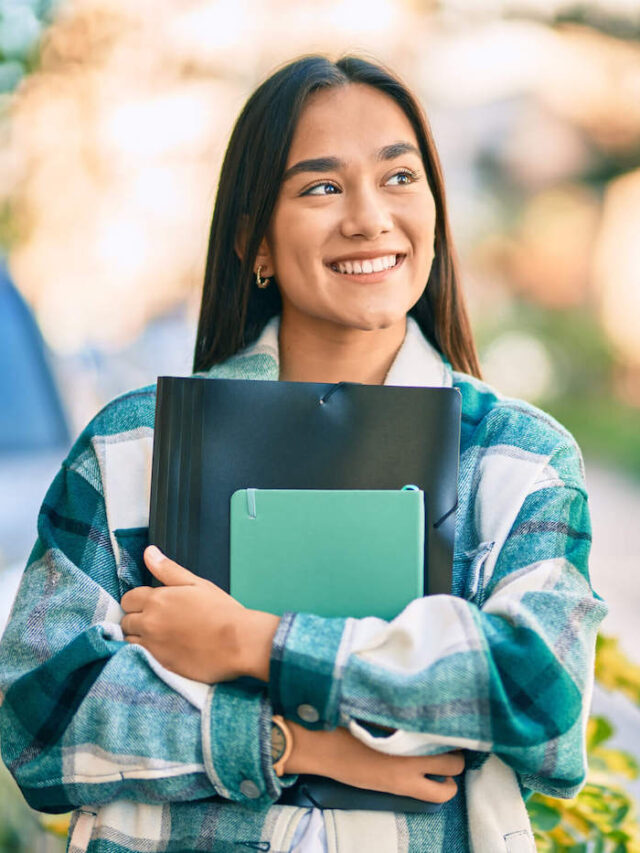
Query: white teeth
pixel 373 265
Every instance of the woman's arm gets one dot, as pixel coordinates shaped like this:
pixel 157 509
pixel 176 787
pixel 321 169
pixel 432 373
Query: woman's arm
pixel 341 756
pixel 181 622
pixel 88 718
pixel 509 675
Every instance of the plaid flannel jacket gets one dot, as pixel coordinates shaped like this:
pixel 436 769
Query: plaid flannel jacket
pixel 152 761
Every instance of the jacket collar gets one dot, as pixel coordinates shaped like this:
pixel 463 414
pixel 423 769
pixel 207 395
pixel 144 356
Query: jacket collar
pixel 417 362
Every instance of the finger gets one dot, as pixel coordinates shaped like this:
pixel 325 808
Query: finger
pixel 167 571
pixel 446 764
pixel 436 792
pixel 134 640
pixel 135 599
pixel 131 624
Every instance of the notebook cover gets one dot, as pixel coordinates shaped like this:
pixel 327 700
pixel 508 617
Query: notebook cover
pixel 330 552
pixel 215 436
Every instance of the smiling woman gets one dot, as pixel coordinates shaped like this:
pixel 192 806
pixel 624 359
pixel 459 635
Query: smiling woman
pixel 330 260
pixel 328 163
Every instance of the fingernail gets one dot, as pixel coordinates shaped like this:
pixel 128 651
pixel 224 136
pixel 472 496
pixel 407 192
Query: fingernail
pixel 154 554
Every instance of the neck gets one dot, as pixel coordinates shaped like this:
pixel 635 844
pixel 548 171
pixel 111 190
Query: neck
pixel 313 350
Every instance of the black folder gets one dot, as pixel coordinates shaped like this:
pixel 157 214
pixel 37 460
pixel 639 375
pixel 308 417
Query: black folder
pixel 214 436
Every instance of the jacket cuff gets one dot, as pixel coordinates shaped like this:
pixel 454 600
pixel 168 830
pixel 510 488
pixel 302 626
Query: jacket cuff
pixel 304 678
pixel 236 745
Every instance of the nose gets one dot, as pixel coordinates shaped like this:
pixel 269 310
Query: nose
pixel 366 214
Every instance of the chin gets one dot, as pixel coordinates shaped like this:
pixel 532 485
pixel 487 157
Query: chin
pixel 374 320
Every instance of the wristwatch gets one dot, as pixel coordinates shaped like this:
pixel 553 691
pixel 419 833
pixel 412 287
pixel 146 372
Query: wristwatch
pixel 281 743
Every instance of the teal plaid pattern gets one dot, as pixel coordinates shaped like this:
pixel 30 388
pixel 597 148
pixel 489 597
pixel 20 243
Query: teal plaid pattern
pixel 150 761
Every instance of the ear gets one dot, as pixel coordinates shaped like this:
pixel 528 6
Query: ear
pixel 263 255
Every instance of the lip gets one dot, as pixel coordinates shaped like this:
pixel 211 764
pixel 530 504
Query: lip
pixel 369 277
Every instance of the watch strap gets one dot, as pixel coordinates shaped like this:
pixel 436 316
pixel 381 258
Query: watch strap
pixel 279 727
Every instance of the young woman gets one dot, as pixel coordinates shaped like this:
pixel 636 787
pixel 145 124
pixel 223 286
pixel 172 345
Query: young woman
pixel 330 259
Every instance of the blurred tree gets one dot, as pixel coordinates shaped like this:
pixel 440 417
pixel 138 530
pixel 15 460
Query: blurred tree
pixel 582 392
pixel 21 27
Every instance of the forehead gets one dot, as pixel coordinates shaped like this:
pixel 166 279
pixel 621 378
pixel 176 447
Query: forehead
pixel 351 121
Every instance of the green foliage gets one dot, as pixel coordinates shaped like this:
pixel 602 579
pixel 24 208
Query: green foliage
pixel 604 427
pixel 22 829
pixel 9 227
pixel 582 397
pixel 601 819
pixel 574 339
pixel 18 826
pixel 615 671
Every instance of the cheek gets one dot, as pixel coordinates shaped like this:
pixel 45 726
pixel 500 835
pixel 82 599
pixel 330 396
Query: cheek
pixel 290 237
pixel 297 247
pixel 420 226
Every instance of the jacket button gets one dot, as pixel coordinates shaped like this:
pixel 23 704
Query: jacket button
pixel 308 713
pixel 249 789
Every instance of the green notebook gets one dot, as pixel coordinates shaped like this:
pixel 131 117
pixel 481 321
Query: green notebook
pixel 330 552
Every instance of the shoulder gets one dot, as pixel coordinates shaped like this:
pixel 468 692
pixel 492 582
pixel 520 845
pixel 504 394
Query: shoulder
pixel 118 438
pixel 122 416
pixel 113 454
pixel 132 410
pixel 495 424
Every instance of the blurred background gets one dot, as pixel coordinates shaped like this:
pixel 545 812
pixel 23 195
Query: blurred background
pixel 114 117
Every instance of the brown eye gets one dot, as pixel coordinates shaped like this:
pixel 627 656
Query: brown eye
pixel 311 190
pixel 409 177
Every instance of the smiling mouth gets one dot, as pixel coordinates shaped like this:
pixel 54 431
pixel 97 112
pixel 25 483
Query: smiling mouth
pixel 366 268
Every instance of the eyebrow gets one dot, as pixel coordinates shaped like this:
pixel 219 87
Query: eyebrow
pixel 332 164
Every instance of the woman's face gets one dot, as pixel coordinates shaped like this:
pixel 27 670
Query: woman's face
pixel 352 234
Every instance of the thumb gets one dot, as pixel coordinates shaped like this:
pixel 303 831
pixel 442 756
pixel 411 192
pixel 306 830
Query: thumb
pixel 167 571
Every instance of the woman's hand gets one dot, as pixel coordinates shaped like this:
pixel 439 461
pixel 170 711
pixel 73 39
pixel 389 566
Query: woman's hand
pixel 194 628
pixel 341 756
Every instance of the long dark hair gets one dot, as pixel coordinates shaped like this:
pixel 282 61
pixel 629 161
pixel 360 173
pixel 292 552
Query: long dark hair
pixel 234 311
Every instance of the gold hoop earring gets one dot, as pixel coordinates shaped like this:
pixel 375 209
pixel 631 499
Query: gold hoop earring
pixel 261 282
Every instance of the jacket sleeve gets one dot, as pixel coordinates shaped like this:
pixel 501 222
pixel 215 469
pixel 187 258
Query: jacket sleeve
pixel 508 672
pixel 86 718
